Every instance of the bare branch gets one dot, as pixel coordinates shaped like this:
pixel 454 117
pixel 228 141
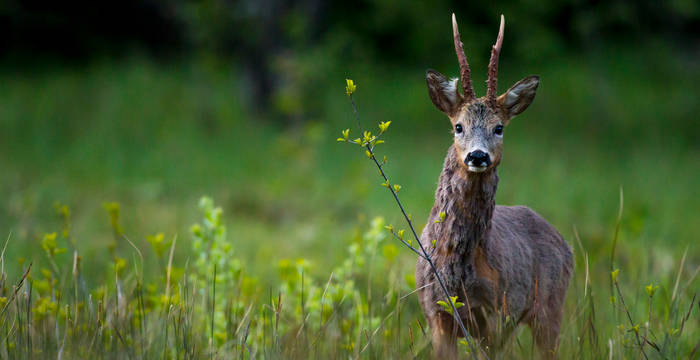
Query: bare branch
pixel 424 252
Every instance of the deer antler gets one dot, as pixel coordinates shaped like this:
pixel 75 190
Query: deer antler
pixel 464 71
pixel 493 65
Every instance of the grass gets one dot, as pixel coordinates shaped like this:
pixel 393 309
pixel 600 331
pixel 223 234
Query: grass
pixel 156 136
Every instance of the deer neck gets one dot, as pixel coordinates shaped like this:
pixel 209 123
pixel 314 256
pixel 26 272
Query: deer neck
pixel 468 200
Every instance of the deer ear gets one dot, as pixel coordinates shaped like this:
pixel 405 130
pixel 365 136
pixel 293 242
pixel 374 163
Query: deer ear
pixel 519 96
pixel 443 92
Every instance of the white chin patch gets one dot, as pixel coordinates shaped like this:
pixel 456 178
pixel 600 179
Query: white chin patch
pixel 477 169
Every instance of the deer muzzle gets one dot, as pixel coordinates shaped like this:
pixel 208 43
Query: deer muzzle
pixel 477 161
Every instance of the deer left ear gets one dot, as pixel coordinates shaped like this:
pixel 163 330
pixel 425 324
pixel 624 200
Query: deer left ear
pixel 519 96
pixel 443 92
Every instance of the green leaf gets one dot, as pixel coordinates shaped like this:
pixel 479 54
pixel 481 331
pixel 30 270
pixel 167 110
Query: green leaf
pixel 119 264
pixel 49 242
pixel 159 243
pixel 448 307
pixel 113 209
pixel 350 86
pixel 383 126
pixel 651 289
pixel 465 344
pixel 367 137
pixel 442 217
pixel 614 274
pixel 50 245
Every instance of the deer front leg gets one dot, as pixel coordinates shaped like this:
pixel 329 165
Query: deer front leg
pixel 546 338
pixel 545 329
pixel 444 337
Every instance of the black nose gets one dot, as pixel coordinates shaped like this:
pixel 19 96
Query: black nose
pixel 478 158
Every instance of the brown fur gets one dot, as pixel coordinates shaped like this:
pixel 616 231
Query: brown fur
pixel 486 271
pixel 505 263
pixel 512 263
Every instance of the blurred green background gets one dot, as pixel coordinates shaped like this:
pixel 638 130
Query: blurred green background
pixel 153 104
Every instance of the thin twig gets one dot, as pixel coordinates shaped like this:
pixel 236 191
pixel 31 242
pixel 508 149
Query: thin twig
pixel 213 310
pixel 646 328
pixel 426 256
pixel 408 245
pixel 636 332
pixel 692 277
pixel 416 290
pixel 140 256
pixel 17 288
pixel 614 246
pixel 678 277
pixel 369 342
pixel 169 269
pixel 2 255
pixel 323 296
pixel 687 315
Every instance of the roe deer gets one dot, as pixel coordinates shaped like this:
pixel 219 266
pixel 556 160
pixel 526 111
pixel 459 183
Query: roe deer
pixel 505 263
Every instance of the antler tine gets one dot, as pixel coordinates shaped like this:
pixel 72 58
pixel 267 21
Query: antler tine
pixel 491 90
pixel 464 71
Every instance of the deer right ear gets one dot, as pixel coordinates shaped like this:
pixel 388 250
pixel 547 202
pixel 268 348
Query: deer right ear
pixel 443 92
pixel 519 96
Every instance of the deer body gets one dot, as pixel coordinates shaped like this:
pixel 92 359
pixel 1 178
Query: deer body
pixel 499 260
pixel 506 264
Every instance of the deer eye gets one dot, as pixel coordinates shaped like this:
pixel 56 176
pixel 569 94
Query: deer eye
pixel 458 128
pixel 498 130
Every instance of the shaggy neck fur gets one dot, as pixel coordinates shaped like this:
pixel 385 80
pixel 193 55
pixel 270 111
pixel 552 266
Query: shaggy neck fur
pixel 468 200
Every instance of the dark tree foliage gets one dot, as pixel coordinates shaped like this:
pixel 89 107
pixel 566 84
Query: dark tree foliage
pixel 271 40
pixel 76 31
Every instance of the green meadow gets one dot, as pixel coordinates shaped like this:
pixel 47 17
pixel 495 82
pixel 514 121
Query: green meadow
pixel 104 166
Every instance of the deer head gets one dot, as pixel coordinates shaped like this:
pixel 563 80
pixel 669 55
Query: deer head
pixel 478 123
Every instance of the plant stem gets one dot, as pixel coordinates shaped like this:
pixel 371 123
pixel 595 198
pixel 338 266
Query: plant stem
pixel 424 254
pixel 629 317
